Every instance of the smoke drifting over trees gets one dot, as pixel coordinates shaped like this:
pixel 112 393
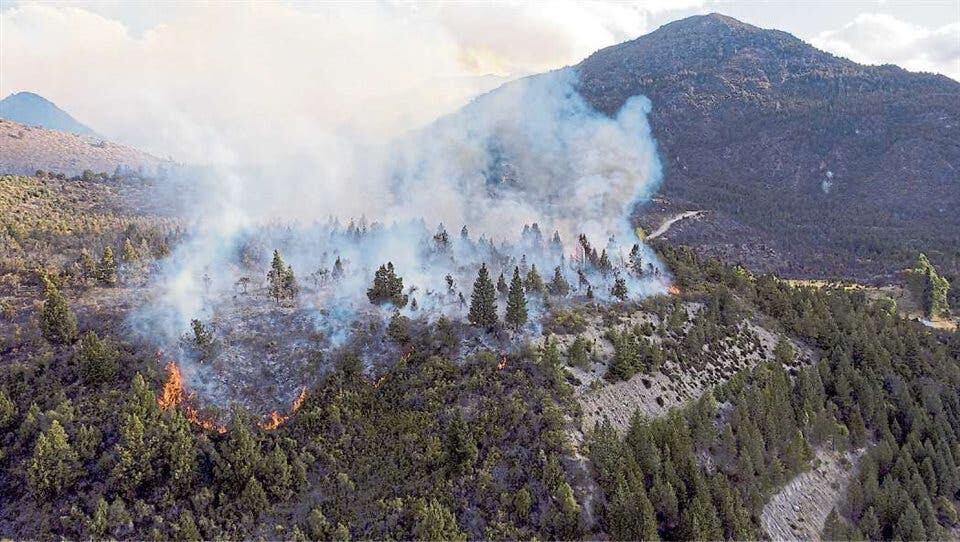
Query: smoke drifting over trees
pixel 522 174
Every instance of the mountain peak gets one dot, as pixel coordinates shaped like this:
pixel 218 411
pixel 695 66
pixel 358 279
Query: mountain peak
pixel 35 110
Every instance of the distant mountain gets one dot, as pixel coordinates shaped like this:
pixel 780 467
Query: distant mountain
pixel 35 110
pixel 808 164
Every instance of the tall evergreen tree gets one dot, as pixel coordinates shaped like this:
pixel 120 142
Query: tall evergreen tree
pixel 619 289
pixel 558 286
pixel 280 278
pixel 58 324
pixel 502 287
pixel 483 300
pixel 516 301
pixel 107 270
pixel 54 465
pixel 533 282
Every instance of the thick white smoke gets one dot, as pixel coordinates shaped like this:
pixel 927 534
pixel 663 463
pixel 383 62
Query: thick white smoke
pixel 532 152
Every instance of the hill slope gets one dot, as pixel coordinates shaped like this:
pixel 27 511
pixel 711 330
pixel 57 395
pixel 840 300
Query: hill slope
pixel 35 110
pixel 26 149
pixel 810 164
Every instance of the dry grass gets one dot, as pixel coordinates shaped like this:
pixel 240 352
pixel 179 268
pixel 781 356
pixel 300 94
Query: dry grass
pixel 25 149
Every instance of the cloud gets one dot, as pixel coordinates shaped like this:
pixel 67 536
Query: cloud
pixel 251 81
pixel 878 38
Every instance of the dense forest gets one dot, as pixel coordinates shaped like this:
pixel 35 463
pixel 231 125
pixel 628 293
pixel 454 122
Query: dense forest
pixel 451 444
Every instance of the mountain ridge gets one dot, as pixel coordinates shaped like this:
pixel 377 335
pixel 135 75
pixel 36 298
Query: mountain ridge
pixel 34 110
pixel 779 140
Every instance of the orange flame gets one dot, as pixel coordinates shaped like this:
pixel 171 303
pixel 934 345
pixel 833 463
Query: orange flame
pixel 673 290
pixel 503 364
pixel 275 419
pixel 173 394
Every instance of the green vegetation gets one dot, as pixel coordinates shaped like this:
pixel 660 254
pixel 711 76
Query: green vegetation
pixel 57 322
pixel 930 288
pixel 483 300
pixel 516 301
pixel 283 284
pixel 387 287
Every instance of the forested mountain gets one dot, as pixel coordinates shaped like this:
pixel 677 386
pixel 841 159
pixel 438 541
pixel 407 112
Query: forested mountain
pixel 809 164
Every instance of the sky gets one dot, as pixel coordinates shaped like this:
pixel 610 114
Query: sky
pixel 247 81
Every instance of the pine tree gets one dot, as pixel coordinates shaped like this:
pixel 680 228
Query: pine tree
pixel 58 324
pixel 559 285
pixel 387 287
pixel 619 289
pixel 604 264
pixel 483 308
pixel 129 253
pixel 8 410
pixel 636 262
pixel 54 465
pixel 910 525
pixel 533 283
pixel 578 353
pixel 398 328
pixel 107 270
pixel 516 301
pixel 461 448
pixel 97 359
pixel 433 521
pixel 276 276
pixel 502 287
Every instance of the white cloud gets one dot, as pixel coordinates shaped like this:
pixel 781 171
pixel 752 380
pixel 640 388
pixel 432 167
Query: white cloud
pixel 248 80
pixel 879 38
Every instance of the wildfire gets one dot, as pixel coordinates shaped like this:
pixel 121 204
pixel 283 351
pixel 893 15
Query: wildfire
pixel 173 394
pixel 503 364
pixel 673 290
pixel 275 419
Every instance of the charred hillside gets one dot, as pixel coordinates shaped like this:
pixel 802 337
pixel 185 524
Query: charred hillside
pixel 811 164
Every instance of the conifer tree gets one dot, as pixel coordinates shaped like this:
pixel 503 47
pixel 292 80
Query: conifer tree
pixel 533 282
pixel 387 287
pixel 483 300
pixel 275 276
pixel 97 359
pixel 107 270
pixel 619 289
pixel 129 253
pixel 558 286
pixel 54 465
pixel 604 264
pixel 516 301
pixel 502 287
pixel 58 324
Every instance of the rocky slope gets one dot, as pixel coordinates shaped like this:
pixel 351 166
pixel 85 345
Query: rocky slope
pixel 26 149
pixel 810 164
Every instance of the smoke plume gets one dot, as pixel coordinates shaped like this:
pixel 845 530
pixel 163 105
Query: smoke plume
pixel 511 180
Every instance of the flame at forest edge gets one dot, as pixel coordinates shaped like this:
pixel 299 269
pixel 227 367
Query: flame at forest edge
pixel 173 394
